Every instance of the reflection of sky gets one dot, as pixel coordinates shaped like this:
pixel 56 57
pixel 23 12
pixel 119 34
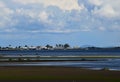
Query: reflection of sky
pixel 80 22
pixel 111 64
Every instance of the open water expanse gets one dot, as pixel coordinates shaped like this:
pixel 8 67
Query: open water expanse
pixel 60 52
pixel 111 63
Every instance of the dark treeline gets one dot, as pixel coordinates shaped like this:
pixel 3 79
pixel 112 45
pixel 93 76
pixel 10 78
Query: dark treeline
pixel 57 46
pixel 27 47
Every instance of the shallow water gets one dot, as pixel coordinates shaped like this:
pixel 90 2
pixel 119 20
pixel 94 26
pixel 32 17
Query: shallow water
pixel 111 64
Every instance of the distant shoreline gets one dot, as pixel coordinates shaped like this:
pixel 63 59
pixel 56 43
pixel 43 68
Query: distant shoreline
pixel 58 47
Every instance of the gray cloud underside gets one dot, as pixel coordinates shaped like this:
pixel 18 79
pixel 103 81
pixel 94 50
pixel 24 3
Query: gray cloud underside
pixel 42 17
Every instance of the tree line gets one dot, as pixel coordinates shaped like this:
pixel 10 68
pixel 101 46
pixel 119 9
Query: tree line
pixel 48 46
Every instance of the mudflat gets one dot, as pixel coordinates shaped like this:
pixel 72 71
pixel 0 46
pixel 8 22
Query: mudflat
pixel 56 74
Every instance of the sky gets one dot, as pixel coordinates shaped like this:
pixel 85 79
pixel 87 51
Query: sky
pixel 77 22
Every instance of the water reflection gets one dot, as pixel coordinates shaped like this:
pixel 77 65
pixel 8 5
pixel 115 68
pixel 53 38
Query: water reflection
pixel 112 64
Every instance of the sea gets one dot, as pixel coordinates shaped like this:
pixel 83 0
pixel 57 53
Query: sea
pixel 109 63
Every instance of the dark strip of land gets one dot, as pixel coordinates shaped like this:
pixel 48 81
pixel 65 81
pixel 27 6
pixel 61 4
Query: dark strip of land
pixel 56 74
pixel 56 58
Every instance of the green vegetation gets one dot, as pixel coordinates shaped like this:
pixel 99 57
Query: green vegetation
pixel 66 46
pixel 57 46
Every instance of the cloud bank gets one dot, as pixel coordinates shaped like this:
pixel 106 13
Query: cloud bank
pixel 59 16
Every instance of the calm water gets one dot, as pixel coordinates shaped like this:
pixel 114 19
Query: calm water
pixel 112 64
pixel 61 52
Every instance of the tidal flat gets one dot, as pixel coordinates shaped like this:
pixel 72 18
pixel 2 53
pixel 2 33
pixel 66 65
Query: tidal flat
pixel 56 74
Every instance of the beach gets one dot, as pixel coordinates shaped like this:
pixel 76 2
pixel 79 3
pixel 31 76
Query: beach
pixel 56 74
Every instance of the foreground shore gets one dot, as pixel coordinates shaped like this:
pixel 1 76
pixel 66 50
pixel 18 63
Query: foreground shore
pixel 56 74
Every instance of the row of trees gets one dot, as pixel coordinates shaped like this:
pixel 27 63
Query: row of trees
pixel 37 47
pixel 59 46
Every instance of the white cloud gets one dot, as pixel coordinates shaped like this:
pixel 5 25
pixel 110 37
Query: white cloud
pixel 26 12
pixel 5 15
pixel 2 4
pixel 96 2
pixel 102 28
pixel 55 31
pixel 4 9
pixel 41 16
pixel 106 11
pixel 44 17
pixel 106 8
pixel 62 4
pixel 49 16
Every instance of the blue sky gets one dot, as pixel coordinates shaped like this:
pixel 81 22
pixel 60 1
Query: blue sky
pixel 77 22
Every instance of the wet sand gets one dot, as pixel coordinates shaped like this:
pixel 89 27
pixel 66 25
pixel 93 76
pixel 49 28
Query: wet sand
pixel 56 74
